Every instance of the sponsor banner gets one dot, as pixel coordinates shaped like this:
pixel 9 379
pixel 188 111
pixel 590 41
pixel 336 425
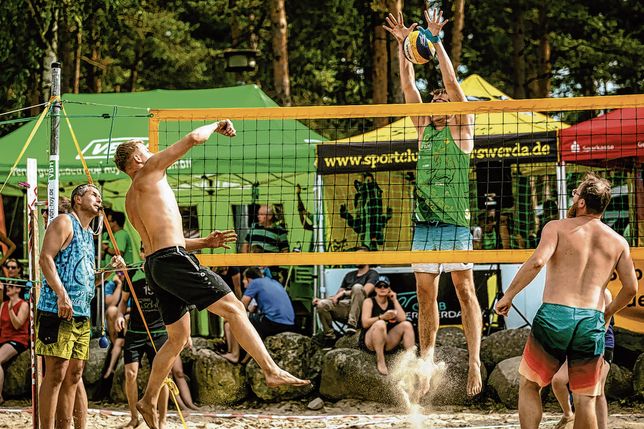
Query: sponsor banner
pixel 403 155
pixel 630 317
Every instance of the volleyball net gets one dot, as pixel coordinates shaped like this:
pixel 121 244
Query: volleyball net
pixel 314 185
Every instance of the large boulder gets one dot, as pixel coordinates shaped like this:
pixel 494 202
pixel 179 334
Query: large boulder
pixel 638 376
pixel 17 377
pixel 451 337
pixel 628 346
pixel 449 387
pixel 292 352
pixel 352 373
pixel 619 383
pixel 504 381
pixel 503 345
pixel 217 381
pixel 348 341
pixel 94 365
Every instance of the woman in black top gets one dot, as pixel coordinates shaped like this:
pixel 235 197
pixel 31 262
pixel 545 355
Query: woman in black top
pixel 384 326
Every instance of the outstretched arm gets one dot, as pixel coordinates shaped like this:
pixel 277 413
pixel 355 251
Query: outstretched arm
pixel 396 27
pixel 161 161
pixel 530 268
pixel 214 240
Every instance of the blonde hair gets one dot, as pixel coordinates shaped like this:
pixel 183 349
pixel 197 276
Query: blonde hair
pixel 124 152
pixel 595 191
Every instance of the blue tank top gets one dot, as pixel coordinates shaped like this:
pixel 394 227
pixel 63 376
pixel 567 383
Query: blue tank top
pixel 75 266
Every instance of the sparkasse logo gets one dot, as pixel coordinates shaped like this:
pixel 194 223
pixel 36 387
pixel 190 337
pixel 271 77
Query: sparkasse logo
pixel 106 148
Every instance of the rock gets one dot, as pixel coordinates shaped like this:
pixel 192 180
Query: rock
pixel 293 353
pixel 348 341
pixel 17 377
pixel 218 381
pixel 503 345
pixel 351 373
pixel 619 383
pixel 628 347
pixel 638 376
pixel 95 363
pixel 451 337
pixel 316 404
pixel 504 381
pixel 450 387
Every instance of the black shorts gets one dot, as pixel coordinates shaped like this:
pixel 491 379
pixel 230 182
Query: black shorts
pixel 16 345
pixel 266 327
pixel 608 355
pixel 137 344
pixel 178 281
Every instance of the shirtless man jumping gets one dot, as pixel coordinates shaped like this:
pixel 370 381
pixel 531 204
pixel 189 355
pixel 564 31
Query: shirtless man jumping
pixel 580 253
pixel 175 274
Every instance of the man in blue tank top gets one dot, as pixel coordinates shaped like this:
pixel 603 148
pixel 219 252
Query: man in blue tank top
pixel 63 321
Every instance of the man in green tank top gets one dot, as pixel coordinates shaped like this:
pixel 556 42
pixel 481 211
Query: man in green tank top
pixel 442 217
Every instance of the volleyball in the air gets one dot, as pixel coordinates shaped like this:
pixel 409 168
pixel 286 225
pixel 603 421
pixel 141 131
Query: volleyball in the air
pixel 417 48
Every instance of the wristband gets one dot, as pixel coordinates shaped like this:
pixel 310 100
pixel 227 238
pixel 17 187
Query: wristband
pixel 428 34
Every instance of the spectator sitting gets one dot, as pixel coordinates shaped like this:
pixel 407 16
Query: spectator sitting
pixel 384 324
pixel 274 312
pixel 346 305
pixel 14 269
pixel 14 328
pixel 272 238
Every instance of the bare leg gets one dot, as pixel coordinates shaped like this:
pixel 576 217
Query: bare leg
pixel 6 352
pixel 601 405
pixel 472 325
pixel 178 334
pixel 66 412
pixel 530 411
pixel 234 350
pixel 132 394
pixel 117 346
pixel 111 313
pixel 231 309
pixel 428 318
pixel 585 417
pixel 401 333
pixel 50 389
pixel 560 389
pixel 375 339
pixel 163 406
pixel 80 406
pixel 182 384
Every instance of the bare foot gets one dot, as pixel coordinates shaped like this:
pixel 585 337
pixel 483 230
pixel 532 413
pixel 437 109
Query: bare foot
pixel 194 407
pixel 474 382
pixel 284 378
pixel 149 413
pixel 382 368
pixel 234 359
pixel 565 422
pixel 108 373
pixel 132 424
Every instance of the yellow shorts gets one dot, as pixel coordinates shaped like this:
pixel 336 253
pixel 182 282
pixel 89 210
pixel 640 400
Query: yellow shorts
pixel 66 339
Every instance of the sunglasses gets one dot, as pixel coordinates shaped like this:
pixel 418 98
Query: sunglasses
pixel 12 267
pixel 382 286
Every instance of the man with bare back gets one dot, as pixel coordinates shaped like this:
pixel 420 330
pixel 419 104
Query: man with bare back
pixel 442 216
pixel 175 274
pixel 580 254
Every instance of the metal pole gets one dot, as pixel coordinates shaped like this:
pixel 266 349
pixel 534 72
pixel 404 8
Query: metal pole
pixel 52 180
pixel 34 276
pixel 562 192
pixel 319 288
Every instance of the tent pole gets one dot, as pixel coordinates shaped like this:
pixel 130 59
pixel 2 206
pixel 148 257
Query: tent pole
pixel 52 181
pixel 318 234
pixel 562 197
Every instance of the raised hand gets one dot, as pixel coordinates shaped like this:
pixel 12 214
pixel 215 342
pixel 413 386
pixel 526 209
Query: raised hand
pixel 435 21
pixel 221 238
pixel 397 27
pixel 226 128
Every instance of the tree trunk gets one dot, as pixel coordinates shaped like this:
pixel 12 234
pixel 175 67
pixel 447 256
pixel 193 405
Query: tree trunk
pixel 379 64
pixel 78 54
pixel 458 22
pixel 279 27
pixel 544 67
pixel 49 55
pixel 518 51
pixel 394 6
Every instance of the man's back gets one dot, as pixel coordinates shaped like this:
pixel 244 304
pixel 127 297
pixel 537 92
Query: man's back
pixel 586 253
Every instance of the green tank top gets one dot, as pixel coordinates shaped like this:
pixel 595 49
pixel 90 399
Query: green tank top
pixel 442 179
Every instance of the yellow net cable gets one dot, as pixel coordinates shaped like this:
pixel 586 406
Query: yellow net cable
pixel 29 139
pixel 167 381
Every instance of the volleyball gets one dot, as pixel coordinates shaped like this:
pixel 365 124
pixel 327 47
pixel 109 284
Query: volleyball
pixel 417 48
